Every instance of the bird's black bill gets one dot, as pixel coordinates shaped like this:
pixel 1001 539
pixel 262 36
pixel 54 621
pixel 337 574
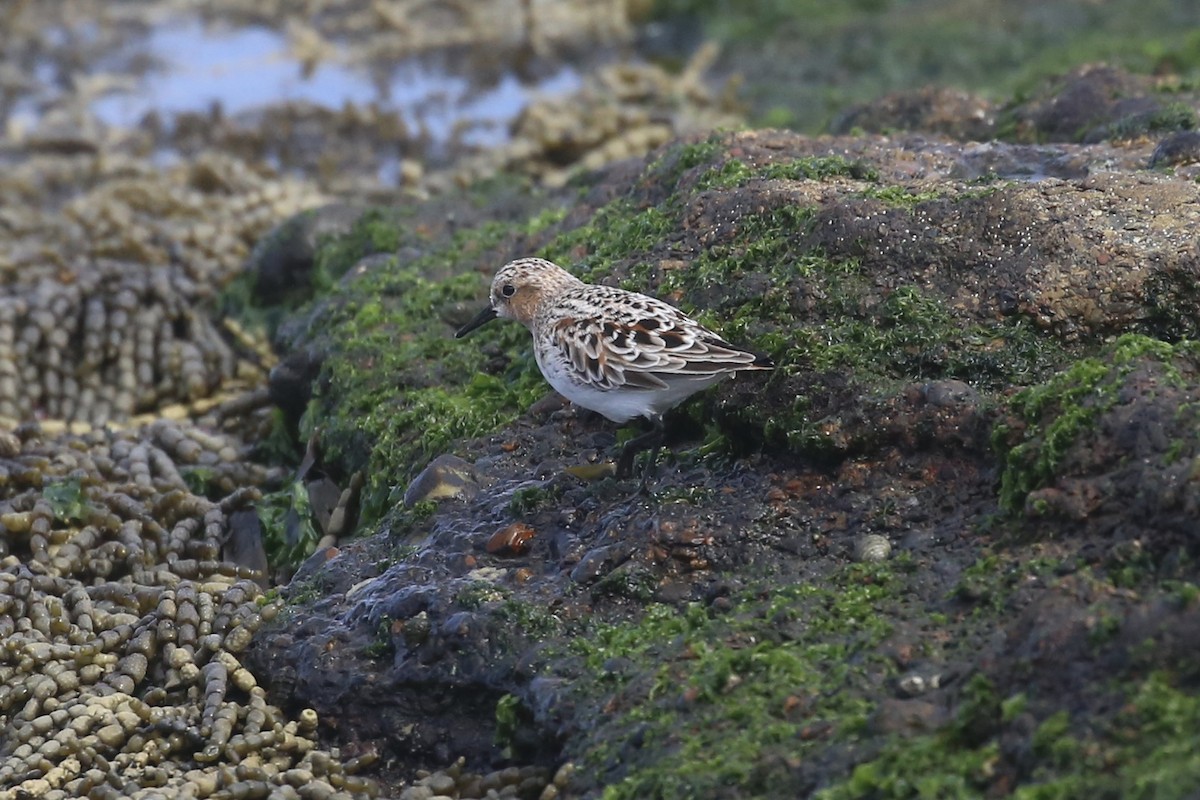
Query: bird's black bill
pixel 484 317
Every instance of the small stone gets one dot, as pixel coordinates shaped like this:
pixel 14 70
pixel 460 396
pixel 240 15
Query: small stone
pixel 872 548
pixel 592 472
pixel 907 717
pixel 913 684
pixel 490 782
pixel 323 497
pixel 446 476
pixel 10 445
pixel 111 735
pixel 511 540
pixel 532 787
pixel 417 793
pixel 948 393
pixel 564 774
pixel 440 783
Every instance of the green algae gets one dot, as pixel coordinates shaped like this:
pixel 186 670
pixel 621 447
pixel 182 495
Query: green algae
pixel 377 230
pixel 382 646
pixel 946 764
pixel 1147 750
pixel 901 196
pixel 738 694
pixel 734 173
pixel 398 369
pixel 511 718
pixel 630 581
pixel 1058 411
pixel 67 499
pixel 476 593
pixel 532 620
pixel 989 585
pixel 529 499
pixel 616 231
pixel 289 535
pixel 1171 297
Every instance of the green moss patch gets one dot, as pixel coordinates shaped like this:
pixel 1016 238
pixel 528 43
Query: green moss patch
pixel 737 696
pixel 1148 750
pixel 1169 118
pixel 402 390
pixel 397 388
pixel 1054 414
pixel 315 262
pixel 735 173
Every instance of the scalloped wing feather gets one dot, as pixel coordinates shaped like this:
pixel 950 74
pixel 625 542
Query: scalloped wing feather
pixel 641 344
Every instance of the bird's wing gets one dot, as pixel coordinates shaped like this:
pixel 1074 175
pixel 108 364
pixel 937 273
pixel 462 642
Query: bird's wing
pixel 642 346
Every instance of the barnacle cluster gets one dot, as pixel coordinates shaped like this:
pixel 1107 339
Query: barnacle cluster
pixel 121 625
pixel 116 318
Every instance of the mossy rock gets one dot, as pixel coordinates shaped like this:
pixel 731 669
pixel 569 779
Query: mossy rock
pixel 949 356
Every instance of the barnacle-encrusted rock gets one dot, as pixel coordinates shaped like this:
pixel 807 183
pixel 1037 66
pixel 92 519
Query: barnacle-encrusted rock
pixel 121 625
pixel 116 320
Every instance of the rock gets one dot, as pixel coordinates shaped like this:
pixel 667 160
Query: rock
pixel 1181 147
pixel 949 393
pixel 936 109
pixel 934 338
pixel 290 381
pixel 323 497
pixel 282 261
pixel 511 540
pixel 445 477
pixel 440 784
pixel 907 717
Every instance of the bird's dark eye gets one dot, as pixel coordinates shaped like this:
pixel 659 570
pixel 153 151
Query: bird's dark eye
pixel 508 290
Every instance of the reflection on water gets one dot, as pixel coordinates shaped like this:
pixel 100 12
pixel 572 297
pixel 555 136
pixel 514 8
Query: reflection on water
pixel 248 68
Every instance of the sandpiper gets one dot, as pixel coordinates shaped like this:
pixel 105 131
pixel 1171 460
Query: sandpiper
pixel 618 353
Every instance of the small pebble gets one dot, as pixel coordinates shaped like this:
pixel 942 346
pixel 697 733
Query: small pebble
pixel 440 783
pixel 872 548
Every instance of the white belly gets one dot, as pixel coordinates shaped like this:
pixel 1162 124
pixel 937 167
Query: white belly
pixel 623 404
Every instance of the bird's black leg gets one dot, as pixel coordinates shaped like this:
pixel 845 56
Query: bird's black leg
pixel 650 467
pixel 650 440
